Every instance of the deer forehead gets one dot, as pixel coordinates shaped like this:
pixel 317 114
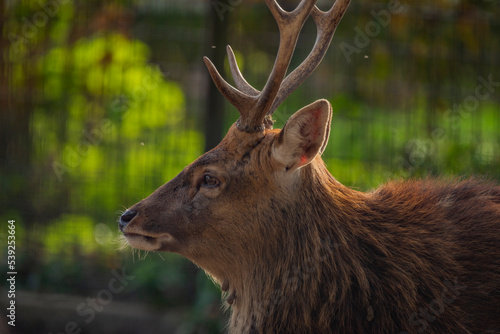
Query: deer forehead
pixel 237 150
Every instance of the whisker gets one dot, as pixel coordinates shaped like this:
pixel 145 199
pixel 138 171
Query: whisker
pixel 160 255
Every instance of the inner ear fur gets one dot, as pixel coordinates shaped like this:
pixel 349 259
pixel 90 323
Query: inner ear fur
pixel 304 136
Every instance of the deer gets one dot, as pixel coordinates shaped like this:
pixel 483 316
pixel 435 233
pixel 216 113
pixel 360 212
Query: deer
pixel 295 251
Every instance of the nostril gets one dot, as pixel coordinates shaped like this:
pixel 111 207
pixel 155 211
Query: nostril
pixel 126 217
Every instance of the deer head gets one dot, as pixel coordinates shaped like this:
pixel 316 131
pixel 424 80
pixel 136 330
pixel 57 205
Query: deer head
pixel 220 211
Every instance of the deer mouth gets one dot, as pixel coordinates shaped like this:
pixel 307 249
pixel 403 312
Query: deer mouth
pixel 148 242
pixel 134 235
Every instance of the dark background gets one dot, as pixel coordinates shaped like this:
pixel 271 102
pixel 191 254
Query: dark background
pixel 101 102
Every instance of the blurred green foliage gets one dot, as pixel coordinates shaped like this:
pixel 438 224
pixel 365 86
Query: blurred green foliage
pixel 105 103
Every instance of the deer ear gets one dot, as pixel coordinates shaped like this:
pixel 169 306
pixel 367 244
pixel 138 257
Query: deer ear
pixel 304 136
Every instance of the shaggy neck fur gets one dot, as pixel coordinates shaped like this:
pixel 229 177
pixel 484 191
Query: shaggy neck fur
pixel 334 260
pixel 304 258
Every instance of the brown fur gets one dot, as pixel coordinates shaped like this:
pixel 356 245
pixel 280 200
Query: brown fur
pixel 298 252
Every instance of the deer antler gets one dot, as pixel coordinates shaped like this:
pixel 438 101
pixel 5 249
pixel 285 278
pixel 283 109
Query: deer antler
pixel 256 107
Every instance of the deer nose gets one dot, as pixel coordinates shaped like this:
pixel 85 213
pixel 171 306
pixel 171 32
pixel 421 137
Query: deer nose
pixel 126 217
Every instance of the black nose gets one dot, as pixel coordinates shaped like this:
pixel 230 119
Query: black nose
pixel 126 217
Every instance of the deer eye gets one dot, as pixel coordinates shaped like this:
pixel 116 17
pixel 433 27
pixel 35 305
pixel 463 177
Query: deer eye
pixel 210 181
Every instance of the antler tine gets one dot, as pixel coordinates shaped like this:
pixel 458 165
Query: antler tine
pixel 240 82
pixel 257 107
pixel 289 24
pixel 240 100
pixel 326 23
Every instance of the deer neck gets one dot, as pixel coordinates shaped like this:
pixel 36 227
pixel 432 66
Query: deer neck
pixel 288 269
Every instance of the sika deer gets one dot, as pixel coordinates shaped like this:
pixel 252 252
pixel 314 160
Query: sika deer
pixel 294 250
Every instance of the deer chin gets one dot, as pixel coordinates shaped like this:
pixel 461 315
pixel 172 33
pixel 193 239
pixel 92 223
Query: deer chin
pixel 148 242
